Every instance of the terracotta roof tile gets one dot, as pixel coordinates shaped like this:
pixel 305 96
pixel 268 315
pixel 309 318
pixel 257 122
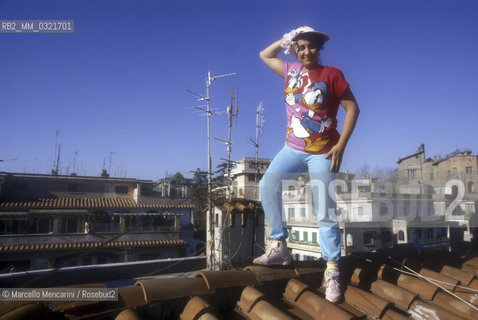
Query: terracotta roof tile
pixel 464 277
pixel 418 286
pixel 249 298
pixel 195 308
pixel 402 298
pixel 470 269
pixel 264 273
pixel 393 315
pixel 366 301
pixel 227 279
pixel 88 203
pixel 155 290
pixel 471 261
pixel 79 245
pixel 127 314
pixel 449 284
pixel 424 310
pixel 377 288
pixel 314 305
pixel 454 305
pixel 254 306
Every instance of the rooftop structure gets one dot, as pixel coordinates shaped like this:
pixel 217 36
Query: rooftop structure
pixel 46 220
pixel 399 283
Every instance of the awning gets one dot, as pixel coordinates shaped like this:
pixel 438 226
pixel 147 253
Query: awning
pixel 147 214
pixel 59 211
pixel 16 214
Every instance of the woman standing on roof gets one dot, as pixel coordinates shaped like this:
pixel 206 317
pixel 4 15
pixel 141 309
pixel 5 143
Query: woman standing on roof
pixel 312 96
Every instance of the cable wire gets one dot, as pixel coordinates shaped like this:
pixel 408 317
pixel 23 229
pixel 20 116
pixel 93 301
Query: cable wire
pixel 414 273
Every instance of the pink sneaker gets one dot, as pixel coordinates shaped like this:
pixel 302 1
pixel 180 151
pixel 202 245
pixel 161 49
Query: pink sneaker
pixel 332 286
pixel 277 254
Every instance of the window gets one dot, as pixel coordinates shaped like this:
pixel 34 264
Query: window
pixel 12 226
pixel 291 213
pixel 368 238
pixel 358 211
pixel 418 234
pixel 455 171
pixel 44 225
pixel 406 209
pixel 469 170
pixel 471 187
pixel 121 189
pixel 306 236
pixel 386 236
pixel 314 237
pixel 350 240
pixel 296 235
pixel 383 209
pixel 69 225
pixel 429 234
pixel 302 212
pixel 401 235
pixel 412 173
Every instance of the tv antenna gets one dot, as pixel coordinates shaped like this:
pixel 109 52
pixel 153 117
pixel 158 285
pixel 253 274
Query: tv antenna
pixel 75 158
pixel 259 131
pixel 56 158
pixel 232 112
pixel 211 262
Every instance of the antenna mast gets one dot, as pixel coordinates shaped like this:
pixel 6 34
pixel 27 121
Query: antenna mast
pixel 56 157
pixel 259 130
pixel 212 263
pixel 231 114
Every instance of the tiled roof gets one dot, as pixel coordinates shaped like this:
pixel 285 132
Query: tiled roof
pixel 65 203
pixel 380 285
pixel 85 245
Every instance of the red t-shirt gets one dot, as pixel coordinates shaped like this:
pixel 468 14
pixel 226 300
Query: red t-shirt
pixel 312 99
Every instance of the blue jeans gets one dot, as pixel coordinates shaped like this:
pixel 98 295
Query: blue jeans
pixel 288 164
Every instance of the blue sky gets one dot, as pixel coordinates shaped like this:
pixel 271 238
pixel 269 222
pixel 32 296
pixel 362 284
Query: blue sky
pixel 118 83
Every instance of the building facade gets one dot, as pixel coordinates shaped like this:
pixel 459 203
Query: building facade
pixel 246 176
pixel 50 220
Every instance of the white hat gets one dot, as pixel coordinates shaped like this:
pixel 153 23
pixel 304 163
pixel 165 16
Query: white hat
pixel 309 30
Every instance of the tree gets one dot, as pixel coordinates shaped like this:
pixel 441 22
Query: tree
pixel 219 181
pixel 200 201
pixel 178 178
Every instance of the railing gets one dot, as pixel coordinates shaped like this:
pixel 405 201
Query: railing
pixel 308 243
pixel 111 227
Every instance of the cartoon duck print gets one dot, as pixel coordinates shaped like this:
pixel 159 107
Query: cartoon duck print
pixel 306 126
pixel 296 82
pixel 314 98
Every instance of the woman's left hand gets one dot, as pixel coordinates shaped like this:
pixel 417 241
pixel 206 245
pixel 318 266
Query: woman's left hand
pixel 337 152
pixel 352 111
